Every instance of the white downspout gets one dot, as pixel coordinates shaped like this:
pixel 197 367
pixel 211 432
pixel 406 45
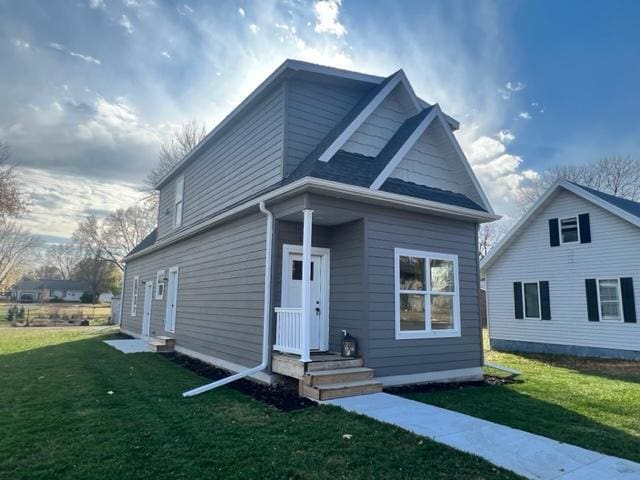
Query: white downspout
pixel 266 318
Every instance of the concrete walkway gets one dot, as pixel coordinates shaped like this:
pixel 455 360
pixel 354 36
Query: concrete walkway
pixel 526 454
pixel 129 346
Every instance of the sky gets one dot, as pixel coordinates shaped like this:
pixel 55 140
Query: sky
pixel 90 89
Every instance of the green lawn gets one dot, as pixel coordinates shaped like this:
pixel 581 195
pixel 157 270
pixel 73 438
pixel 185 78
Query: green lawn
pixel 72 407
pixel 587 402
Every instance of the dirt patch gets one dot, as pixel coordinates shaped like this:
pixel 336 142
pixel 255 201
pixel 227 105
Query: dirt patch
pixel 283 396
pixel 489 380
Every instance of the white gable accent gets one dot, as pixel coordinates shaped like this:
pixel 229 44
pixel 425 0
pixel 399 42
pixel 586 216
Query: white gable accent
pixel 371 137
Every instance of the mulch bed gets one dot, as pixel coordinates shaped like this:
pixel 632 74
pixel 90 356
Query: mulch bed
pixel 283 396
pixel 489 380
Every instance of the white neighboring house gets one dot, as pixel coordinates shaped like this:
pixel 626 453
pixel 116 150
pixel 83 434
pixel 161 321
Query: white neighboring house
pixel 566 278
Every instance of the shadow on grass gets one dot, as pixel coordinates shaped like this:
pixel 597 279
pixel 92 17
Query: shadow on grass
pixel 505 406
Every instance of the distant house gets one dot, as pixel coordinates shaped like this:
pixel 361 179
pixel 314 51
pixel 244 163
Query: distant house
pixel 46 289
pixel 566 279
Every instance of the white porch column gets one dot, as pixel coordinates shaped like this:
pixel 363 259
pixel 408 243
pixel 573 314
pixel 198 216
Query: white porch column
pixel 306 285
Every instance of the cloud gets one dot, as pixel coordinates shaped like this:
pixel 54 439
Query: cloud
pixel 510 88
pixel 86 58
pixel 184 9
pixel 254 28
pixel 166 55
pixel 125 23
pixel 524 115
pixel 57 46
pixel 96 4
pixel 241 12
pixel 326 12
pixel 21 43
pixel 506 137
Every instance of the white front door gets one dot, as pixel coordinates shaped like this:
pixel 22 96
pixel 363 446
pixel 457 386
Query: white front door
pixel 319 299
pixel 146 312
pixel 172 300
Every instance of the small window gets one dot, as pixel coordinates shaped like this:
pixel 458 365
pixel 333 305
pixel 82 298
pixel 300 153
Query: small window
pixel 134 297
pixel 427 302
pixel 160 285
pixel 609 299
pixel 569 232
pixel 177 207
pixel 296 271
pixel 531 292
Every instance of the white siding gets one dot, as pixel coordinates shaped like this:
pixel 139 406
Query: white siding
pixel 614 252
pixel 433 162
pixel 383 122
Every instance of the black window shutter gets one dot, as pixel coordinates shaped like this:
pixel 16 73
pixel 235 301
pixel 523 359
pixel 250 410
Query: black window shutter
pixel 545 304
pixel 554 232
pixel 628 300
pixel 585 228
pixel 592 299
pixel 517 299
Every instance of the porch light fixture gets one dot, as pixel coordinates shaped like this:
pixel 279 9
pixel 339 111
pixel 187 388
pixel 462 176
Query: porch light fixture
pixel 349 345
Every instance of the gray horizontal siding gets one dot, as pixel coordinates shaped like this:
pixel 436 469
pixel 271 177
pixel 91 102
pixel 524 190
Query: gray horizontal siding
pixel 220 291
pixel 243 161
pixel 313 109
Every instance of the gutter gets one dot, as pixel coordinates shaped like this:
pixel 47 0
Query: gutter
pixel 265 321
pixel 302 184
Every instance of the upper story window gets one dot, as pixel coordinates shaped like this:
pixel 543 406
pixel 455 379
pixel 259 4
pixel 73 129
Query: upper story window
pixel 178 202
pixel 569 232
pixel 427 296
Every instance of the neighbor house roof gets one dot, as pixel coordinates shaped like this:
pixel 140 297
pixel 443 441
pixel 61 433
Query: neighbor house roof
pixel 50 284
pixel 623 208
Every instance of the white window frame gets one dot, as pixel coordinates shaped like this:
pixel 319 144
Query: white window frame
pixel 524 301
pixel 170 322
pixel 134 296
pixel 620 319
pixel 562 242
pixel 178 200
pixel 428 332
pixel 160 285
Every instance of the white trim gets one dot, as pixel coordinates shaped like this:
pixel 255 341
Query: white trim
pixel 444 376
pixel 524 301
pixel 496 251
pixel 306 183
pixel 427 293
pixel 134 295
pixel 410 142
pixel 122 287
pixel 562 242
pixel 160 282
pixel 146 316
pixel 620 305
pixel 170 313
pixel 177 219
pixel 325 255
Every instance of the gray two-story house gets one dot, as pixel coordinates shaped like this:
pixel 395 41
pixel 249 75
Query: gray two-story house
pixel 327 201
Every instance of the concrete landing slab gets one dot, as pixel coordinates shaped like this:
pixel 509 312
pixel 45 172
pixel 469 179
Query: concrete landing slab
pixel 129 346
pixel 526 454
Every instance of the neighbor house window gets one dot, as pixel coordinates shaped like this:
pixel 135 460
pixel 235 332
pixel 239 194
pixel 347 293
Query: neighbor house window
pixel 160 285
pixel 569 232
pixel 134 297
pixel 609 299
pixel 531 294
pixel 177 207
pixel 427 297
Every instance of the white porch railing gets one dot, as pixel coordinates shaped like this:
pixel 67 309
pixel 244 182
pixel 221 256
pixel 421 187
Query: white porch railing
pixel 288 330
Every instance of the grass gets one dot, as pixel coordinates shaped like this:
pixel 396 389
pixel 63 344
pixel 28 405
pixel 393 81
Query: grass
pixel 71 407
pixel 593 403
pixel 96 314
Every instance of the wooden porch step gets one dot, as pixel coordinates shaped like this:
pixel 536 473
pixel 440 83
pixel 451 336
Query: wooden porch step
pixel 340 375
pixel 334 364
pixel 338 390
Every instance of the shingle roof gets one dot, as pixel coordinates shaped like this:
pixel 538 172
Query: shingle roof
pixel 395 185
pixel 628 206
pixel 50 283
pixel 146 242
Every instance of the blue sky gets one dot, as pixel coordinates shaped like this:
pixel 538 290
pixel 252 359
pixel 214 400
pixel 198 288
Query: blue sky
pixel 90 88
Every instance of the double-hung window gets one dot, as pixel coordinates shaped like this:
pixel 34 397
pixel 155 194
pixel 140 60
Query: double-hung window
pixel 178 203
pixel 427 294
pixel 531 296
pixel 569 232
pixel 134 296
pixel 609 299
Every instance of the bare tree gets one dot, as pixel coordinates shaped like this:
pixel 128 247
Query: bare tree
pixel 616 175
pixel 12 201
pixel 100 275
pixel 181 143
pixel 17 247
pixel 489 234
pixel 62 259
pixel 115 236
